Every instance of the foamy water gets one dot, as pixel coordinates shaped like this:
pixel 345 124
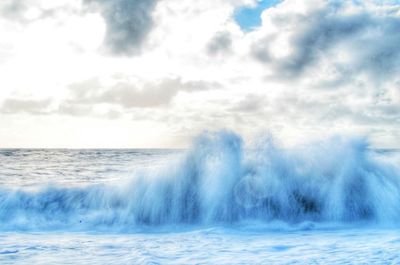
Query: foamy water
pixel 207 246
pixel 335 201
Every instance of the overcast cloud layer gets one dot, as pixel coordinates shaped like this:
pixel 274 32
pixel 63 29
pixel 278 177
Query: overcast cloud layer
pixel 153 73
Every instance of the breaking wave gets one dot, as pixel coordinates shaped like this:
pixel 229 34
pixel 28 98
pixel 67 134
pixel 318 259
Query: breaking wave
pixel 218 181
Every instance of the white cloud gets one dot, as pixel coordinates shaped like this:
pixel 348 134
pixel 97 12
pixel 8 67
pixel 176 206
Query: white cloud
pixel 312 67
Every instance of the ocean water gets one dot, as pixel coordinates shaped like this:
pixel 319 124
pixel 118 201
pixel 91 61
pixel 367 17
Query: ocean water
pixel 222 201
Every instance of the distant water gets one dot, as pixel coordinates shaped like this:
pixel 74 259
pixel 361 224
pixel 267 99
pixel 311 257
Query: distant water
pixel 220 202
pixel 64 167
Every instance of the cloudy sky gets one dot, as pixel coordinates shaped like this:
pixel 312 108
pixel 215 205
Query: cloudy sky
pixel 154 73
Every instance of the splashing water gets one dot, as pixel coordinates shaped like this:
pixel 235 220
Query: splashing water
pixel 218 181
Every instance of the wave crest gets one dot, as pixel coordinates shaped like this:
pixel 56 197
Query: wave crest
pixel 218 182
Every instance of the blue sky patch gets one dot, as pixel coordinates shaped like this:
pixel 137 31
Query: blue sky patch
pixel 249 18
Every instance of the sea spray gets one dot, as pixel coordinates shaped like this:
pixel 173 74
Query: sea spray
pixel 219 182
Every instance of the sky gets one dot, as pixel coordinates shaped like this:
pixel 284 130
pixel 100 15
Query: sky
pixel 155 73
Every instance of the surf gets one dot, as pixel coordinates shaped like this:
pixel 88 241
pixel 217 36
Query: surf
pixel 219 181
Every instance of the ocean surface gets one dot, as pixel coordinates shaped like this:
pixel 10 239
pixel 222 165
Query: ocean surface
pixel 222 201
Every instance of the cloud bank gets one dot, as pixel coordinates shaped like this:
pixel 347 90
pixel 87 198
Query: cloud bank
pixel 306 67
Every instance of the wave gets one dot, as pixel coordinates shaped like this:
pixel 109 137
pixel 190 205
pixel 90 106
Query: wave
pixel 218 181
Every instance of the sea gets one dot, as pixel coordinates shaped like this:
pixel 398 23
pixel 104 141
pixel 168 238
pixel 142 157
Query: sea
pixel 221 201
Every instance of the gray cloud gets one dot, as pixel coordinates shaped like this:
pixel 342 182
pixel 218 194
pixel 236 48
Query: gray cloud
pixel 74 109
pixel 323 34
pixel 11 106
pixel 221 43
pixel 371 40
pixel 353 56
pixel 250 104
pixel 128 23
pixel 86 97
pixel 127 95
pixel 13 10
